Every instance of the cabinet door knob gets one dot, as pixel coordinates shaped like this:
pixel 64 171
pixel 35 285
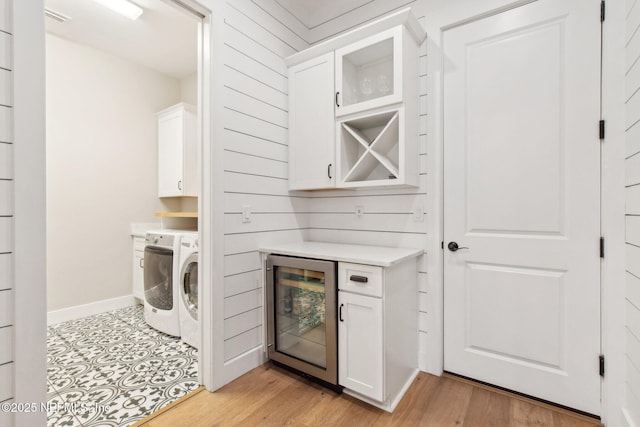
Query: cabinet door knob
pixel 337 94
pixel 340 313
pixel 180 185
pixel 329 170
pixel 141 262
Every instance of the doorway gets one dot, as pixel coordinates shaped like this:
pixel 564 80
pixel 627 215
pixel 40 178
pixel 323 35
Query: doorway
pixel 522 201
pixel 113 133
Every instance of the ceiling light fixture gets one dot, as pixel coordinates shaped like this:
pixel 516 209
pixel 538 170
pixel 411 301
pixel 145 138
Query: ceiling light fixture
pixel 123 7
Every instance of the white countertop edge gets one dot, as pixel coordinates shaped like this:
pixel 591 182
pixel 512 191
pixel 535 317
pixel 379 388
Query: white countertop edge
pixel 381 256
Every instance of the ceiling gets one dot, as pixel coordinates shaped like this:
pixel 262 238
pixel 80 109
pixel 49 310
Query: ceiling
pixel 316 12
pixel 164 38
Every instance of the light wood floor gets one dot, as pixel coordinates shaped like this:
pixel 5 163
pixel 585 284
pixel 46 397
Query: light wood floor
pixel 270 396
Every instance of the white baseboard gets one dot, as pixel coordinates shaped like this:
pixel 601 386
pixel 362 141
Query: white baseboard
pixel 242 364
pixel 80 311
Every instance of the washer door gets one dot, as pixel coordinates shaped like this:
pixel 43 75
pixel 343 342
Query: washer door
pixel 189 285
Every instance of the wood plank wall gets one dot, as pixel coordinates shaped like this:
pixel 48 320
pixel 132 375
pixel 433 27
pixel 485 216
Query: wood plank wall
pixel 256 168
pixel 6 210
pixel 388 214
pixel 632 172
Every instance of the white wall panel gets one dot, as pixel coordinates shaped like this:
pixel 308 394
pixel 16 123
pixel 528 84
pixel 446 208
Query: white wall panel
pixel 6 418
pixel 6 271
pixel 253 184
pixel 6 12
pixel 266 37
pixel 6 344
pixel 6 89
pixel 6 197
pixel 6 234
pixel 632 170
pixel 6 382
pixel 243 122
pixel 243 143
pixel 6 308
pixel 241 263
pixel 242 42
pixel 243 302
pixel 265 222
pixel 247 103
pixel 243 282
pixel 633 200
pixel 251 164
pixel 633 135
pixel 632 179
pixel 260 203
pixel 234 347
pixel 6 51
pixel 6 160
pixel 6 124
pixel 239 60
pixel 242 322
pixel 245 242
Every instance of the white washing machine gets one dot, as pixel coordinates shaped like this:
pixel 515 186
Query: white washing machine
pixel 161 279
pixel 189 324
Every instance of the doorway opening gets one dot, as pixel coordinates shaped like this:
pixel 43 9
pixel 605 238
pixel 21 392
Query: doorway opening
pixel 107 78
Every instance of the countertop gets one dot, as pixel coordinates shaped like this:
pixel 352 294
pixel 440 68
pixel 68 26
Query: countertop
pixel 360 254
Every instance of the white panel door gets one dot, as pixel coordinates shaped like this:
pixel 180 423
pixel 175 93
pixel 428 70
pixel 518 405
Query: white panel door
pixel 360 346
pixel 312 124
pixel 521 112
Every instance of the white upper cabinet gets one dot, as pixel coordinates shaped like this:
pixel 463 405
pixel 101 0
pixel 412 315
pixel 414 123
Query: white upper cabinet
pixel 177 151
pixel 369 73
pixel 353 108
pixel 311 124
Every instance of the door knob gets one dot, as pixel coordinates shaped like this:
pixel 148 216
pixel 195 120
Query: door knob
pixel 453 247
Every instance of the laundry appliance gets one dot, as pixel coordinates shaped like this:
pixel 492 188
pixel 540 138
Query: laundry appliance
pixel 161 278
pixel 188 305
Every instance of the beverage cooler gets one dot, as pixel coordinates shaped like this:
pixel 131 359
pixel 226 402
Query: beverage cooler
pixel 301 316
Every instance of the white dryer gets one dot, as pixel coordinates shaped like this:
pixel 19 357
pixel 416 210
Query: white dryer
pixel 189 324
pixel 161 278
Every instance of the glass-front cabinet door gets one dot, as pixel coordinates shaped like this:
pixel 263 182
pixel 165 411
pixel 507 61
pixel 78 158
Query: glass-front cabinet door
pixel 302 327
pixel 368 73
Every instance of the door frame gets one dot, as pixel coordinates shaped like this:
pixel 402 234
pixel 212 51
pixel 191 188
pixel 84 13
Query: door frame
pixel 612 187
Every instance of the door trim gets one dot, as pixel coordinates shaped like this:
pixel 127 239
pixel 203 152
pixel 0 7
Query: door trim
pixel 612 190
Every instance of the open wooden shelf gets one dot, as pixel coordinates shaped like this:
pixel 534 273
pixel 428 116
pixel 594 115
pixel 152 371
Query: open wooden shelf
pixel 177 214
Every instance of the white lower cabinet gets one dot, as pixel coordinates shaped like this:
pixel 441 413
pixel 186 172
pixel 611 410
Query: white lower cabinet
pixel 138 267
pixel 360 344
pixel 377 331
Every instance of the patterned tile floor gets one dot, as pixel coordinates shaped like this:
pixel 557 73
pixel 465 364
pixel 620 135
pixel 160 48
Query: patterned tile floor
pixel 112 369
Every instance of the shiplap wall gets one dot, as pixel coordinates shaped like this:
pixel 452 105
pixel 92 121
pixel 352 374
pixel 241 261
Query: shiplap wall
pixel 388 218
pixel 6 209
pixel 632 172
pixel 255 165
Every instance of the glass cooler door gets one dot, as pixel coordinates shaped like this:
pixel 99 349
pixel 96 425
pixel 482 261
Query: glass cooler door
pixel 302 314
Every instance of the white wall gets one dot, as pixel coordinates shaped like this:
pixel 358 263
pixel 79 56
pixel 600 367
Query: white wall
pixel 29 268
pixel 632 332
pixel 101 168
pixel 254 150
pixel 6 213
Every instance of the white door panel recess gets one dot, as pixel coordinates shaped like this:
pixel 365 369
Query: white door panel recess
pixel 522 191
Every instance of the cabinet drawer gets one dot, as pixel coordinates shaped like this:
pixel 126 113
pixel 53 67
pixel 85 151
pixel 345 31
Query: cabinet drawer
pixel 360 279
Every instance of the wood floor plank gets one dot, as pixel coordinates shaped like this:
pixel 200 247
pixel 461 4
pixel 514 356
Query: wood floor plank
pixel 270 396
pixel 448 405
pixel 487 409
pixel 525 414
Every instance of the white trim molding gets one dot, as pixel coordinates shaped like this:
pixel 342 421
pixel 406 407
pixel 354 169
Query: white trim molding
pixel 80 311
